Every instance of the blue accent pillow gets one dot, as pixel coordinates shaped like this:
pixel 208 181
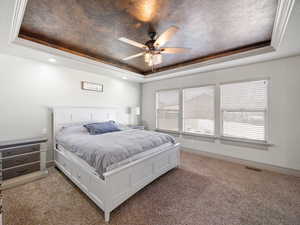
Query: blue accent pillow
pixel 101 128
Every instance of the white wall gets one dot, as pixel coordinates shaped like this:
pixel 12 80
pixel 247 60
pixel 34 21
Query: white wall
pixel 29 88
pixel 284 110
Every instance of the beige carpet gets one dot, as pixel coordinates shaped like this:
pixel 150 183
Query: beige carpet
pixel 203 191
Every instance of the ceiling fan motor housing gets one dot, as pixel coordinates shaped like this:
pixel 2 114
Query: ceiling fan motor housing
pixel 150 45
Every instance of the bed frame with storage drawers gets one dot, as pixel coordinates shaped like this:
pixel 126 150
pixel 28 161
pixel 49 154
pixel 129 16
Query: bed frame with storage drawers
pixel 120 183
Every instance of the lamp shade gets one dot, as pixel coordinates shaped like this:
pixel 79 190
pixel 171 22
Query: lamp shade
pixel 137 111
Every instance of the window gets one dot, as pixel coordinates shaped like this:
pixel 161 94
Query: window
pixel 167 110
pixel 243 114
pixel 199 110
pixel 244 110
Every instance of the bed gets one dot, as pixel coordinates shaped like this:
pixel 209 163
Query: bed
pixel 112 181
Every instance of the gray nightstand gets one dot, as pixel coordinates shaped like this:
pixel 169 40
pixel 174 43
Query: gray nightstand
pixel 22 161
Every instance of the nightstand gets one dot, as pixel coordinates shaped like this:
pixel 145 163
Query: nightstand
pixel 22 161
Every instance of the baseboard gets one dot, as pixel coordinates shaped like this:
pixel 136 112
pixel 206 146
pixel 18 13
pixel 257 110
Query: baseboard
pixel 50 164
pixel 262 166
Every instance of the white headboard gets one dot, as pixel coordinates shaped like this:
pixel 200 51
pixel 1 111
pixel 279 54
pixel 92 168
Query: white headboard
pixel 63 116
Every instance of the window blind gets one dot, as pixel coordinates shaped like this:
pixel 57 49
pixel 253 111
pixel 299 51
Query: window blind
pixel 199 110
pixel 244 110
pixel 167 110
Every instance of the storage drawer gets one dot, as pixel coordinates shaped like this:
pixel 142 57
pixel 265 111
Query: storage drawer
pixel 81 177
pixel 19 171
pixel 19 160
pixel 162 162
pixel 20 150
pixel 63 162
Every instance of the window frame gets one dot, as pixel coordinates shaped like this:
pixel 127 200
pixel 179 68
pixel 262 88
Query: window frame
pixel 179 110
pixel 214 86
pixel 266 114
pixel 218 128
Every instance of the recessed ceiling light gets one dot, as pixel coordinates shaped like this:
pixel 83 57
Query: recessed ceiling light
pixel 52 60
pixel 124 78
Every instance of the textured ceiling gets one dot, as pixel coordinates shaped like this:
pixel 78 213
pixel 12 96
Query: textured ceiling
pixel 91 28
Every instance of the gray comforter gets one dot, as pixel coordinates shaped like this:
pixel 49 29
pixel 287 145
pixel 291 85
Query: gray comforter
pixel 102 151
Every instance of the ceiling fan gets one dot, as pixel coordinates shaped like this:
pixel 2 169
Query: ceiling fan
pixel 153 49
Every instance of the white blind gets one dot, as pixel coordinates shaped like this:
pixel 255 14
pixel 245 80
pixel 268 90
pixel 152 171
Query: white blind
pixel 199 110
pixel 167 110
pixel 244 109
pixel 246 95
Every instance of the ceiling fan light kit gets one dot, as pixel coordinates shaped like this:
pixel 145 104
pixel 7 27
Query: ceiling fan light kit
pixel 153 59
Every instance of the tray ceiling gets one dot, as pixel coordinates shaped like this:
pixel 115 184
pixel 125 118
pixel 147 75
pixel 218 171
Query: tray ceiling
pixel 91 28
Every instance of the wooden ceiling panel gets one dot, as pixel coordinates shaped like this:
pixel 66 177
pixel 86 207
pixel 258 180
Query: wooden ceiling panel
pixel 91 28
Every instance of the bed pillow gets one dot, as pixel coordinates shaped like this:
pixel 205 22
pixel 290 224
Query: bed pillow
pixel 69 129
pixel 101 128
pixel 122 126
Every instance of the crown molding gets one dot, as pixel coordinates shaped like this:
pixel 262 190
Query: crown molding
pixel 211 65
pixel 14 39
pixel 19 11
pixel 281 21
pixel 283 13
pixel 75 58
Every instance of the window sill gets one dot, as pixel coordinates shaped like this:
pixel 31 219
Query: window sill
pixel 168 131
pixel 228 140
pixel 246 141
pixel 199 135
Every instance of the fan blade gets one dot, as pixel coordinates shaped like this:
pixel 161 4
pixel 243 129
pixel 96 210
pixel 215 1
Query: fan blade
pixel 166 36
pixel 174 50
pixel 134 43
pixel 134 56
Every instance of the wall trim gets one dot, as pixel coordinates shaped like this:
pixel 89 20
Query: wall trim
pixel 283 13
pixel 19 11
pixel 207 65
pixel 281 21
pixel 262 166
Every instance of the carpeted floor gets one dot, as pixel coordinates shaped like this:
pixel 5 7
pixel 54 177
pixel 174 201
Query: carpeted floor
pixel 203 191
